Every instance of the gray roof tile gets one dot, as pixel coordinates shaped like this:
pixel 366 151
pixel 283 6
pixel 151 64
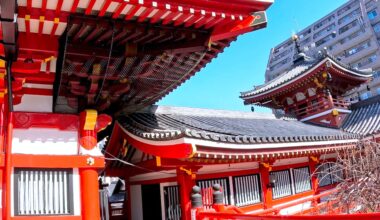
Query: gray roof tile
pixel 237 128
pixel 365 117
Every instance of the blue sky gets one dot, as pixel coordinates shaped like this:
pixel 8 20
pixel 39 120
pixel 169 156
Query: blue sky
pixel 243 64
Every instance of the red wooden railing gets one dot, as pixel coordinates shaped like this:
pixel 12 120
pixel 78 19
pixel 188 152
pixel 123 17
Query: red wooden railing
pixel 320 106
pixel 225 216
pixel 322 210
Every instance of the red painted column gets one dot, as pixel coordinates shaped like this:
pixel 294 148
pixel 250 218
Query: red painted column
pixel 8 167
pixel 314 178
pixel 267 192
pixel 90 194
pixel 313 163
pixel 185 181
pixel 127 200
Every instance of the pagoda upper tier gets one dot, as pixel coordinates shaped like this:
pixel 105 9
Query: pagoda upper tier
pixel 116 54
pixel 311 91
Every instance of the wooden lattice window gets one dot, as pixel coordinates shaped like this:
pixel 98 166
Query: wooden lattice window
pixel 43 192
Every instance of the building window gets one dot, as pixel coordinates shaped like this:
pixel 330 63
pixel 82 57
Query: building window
pixel 329 173
pixel 206 187
pixel 281 55
pixel 372 14
pixel 43 192
pixel 352 36
pixel 301 179
pixel 349 16
pixel 324 30
pixel 325 39
pixel 346 8
pixel 276 66
pixel 348 26
pixel 304 34
pixel 282 187
pixel 363 62
pixel 172 202
pixel 357 48
pixel 290 182
pixel 376 27
pixel 247 190
pixel 370 4
pixel 324 22
pixel 324 176
pixel 305 42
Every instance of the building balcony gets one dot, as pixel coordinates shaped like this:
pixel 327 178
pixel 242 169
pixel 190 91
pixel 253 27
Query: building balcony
pixel 360 54
pixel 320 106
pixel 342 47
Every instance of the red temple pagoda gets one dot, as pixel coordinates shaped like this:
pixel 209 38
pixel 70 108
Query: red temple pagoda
pixel 79 74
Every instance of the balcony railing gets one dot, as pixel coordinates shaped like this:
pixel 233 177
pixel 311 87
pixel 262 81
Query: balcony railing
pixel 327 209
pixel 320 106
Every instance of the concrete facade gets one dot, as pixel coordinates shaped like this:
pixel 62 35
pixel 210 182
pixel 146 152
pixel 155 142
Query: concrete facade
pixel 351 33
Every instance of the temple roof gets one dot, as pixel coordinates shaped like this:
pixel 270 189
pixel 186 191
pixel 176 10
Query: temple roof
pixel 169 123
pixel 365 117
pixel 299 70
pixel 117 54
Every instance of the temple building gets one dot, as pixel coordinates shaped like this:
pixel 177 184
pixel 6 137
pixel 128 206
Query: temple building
pixel 78 83
pixel 68 67
pixel 261 162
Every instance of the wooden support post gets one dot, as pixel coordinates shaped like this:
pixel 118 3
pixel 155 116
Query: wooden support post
pixel 90 194
pixel 313 163
pixel 186 181
pixel 127 199
pixel 267 191
pixel 8 168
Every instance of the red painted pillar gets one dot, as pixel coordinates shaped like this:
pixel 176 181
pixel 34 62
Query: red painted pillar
pixel 185 181
pixel 127 200
pixel 267 192
pixel 8 168
pixel 313 163
pixel 90 194
pixel 314 178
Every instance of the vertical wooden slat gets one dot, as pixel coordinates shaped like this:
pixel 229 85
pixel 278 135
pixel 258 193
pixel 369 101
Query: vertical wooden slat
pixel 65 198
pixel 41 195
pixel 42 192
pixel 21 195
pixel 46 187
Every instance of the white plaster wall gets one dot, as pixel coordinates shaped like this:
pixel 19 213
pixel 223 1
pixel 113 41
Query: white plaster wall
pixel 35 103
pixel 45 141
pixel 221 168
pixel 282 162
pixel 136 202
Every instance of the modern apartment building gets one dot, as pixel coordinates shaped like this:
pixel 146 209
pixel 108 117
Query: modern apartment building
pixel 351 33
